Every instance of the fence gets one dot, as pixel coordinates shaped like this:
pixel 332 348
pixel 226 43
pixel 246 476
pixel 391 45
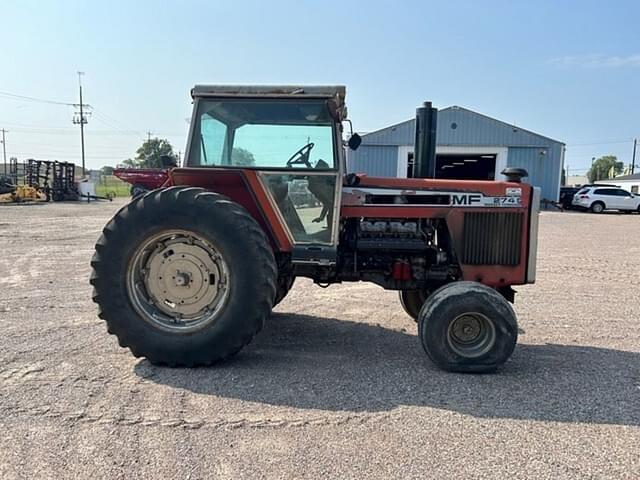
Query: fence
pixel 110 184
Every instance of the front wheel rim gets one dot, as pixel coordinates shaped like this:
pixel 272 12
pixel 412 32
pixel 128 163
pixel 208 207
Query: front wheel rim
pixel 471 335
pixel 178 281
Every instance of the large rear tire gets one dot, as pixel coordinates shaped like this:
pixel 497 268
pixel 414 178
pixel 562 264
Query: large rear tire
pixel 183 277
pixel 467 327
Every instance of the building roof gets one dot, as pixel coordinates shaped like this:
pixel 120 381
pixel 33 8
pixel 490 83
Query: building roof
pixel 476 129
pixel 635 176
pixel 501 123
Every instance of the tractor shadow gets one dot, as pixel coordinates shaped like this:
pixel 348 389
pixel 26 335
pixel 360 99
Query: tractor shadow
pixel 327 364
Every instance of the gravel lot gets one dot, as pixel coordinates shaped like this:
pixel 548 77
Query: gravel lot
pixel 336 385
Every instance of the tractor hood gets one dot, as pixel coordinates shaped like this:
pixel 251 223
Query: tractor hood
pixel 334 94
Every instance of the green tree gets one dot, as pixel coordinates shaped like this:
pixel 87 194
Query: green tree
pixel 129 162
pixel 604 168
pixel 149 153
pixel 242 157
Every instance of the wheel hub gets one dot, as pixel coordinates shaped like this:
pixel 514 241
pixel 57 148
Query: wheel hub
pixel 178 280
pixel 466 329
pixel 471 334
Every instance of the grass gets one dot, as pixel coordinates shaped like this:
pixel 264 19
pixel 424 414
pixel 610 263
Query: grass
pixel 112 184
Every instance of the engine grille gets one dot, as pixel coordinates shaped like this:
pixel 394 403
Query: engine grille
pixel 492 238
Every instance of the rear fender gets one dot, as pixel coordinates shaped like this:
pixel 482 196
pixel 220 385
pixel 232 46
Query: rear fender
pixel 242 187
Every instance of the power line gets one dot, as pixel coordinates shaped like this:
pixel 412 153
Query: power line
pixel 112 120
pixel 53 130
pixel 606 142
pixel 14 96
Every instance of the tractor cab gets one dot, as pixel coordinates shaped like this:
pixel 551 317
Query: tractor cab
pixel 291 138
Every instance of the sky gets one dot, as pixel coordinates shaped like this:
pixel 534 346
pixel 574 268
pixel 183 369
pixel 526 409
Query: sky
pixel 569 70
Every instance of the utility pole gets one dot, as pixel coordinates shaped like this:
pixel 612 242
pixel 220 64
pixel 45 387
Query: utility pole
pixel 149 136
pixel 4 150
pixel 633 158
pixel 81 119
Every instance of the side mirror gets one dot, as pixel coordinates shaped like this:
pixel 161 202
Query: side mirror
pixel 354 141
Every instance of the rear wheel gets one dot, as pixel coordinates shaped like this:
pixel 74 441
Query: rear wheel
pixel 412 301
pixel 597 207
pixel 467 327
pixel 183 277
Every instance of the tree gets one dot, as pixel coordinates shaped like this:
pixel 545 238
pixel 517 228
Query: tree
pixel 106 170
pixel 242 157
pixel 129 162
pixel 604 168
pixel 149 153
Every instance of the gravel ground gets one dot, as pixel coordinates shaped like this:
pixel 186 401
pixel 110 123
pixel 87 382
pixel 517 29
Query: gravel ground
pixel 336 385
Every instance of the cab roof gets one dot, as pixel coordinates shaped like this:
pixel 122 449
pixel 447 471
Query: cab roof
pixel 334 93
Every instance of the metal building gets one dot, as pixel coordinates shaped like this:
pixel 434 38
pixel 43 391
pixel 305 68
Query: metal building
pixel 469 146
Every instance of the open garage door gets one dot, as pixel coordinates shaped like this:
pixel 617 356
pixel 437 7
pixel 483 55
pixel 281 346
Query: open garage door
pixel 466 166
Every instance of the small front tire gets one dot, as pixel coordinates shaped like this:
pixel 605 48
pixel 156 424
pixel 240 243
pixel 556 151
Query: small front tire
pixel 467 327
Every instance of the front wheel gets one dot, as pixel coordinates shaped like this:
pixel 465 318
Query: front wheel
pixel 183 277
pixel 467 327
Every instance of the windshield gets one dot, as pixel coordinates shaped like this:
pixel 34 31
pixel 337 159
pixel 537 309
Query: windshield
pixel 262 134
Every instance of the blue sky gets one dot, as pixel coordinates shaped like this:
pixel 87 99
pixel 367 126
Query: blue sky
pixel 569 70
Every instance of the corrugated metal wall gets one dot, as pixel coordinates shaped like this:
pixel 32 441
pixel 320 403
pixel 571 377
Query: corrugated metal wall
pixel 543 169
pixel 376 161
pixel 457 126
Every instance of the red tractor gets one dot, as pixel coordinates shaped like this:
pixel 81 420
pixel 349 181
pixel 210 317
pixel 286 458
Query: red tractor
pixel 188 274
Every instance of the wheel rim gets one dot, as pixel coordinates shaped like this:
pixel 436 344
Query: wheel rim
pixel 597 208
pixel 178 281
pixel 471 335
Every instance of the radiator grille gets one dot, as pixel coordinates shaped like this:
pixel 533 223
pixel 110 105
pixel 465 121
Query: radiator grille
pixel 492 238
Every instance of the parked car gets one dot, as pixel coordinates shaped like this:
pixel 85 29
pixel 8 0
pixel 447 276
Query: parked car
pixel 566 196
pixel 598 198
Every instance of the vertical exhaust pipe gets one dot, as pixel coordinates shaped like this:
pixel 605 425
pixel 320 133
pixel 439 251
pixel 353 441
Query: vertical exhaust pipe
pixel 424 156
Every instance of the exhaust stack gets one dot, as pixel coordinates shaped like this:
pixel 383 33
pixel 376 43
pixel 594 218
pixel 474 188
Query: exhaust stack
pixel 424 165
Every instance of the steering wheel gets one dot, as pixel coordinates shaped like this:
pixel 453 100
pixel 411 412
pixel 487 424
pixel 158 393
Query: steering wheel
pixel 301 157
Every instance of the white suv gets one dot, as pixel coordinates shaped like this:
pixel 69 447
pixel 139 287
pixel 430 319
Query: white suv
pixel 600 198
